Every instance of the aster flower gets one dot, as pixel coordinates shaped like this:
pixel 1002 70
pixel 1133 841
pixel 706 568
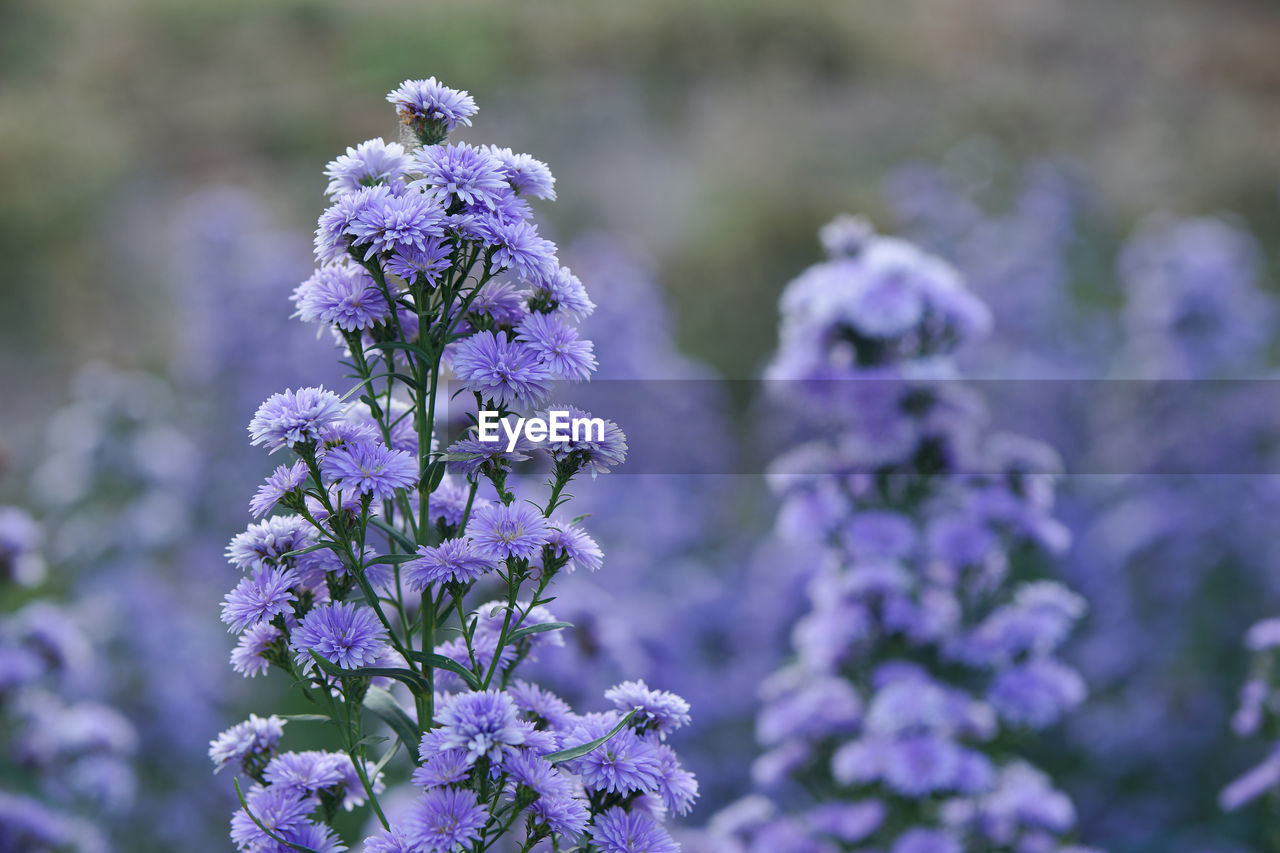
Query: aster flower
pixel 484 724
pixel 413 262
pixel 460 174
pixel 397 223
pixel 558 347
pixel 498 531
pixel 267 541
pixel 617 831
pixel 445 819
pixel 290 417
pixel 279 810
pixel 249 656
pixel 578 548
pixel 284 480
pixel 370 468
pixel 431 109
pixel 521 250
pixel 343 633
pixel 256 736
pixel 662 710
pixel 562 293
pixel 626 763
pixel 262 595
pixel 371 162
pixel 502 371
pixel 526 175
pixel 341 295
pixel 334 228
pixel 472 457
pixel 452 560
pixel 590 450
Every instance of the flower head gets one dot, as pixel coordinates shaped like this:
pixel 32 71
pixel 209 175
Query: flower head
pixel 452 560
pixel 294 416
pixel 659 709
pixel 618 831
pixel 341 295
pixel 431 109
pixel 342 633
pixel 499 531
pixel 526 175
pixel 558 347
pixel 501 370
pixel 284 480
pixel 371 162
pixel 260 596
pixel 461 174
pixel 256 736
pixel 483 723
pixel 370 468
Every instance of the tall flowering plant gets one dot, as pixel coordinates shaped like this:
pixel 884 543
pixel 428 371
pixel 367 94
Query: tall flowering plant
pixel 406 584
pixel 927 645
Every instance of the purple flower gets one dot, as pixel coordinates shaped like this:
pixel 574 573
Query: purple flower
pixel 371 468
pixel 345 634
pixel 526 175
pixel 256 736
pixel 500 531
pixel 452 560
pixel 442 767
pixel 558 346
pixel 342 295
pixel 461 174
pixel 521 250
pixel 623 764
pixel 334 229
pixel 431 109
pixel 371 162
pixel 397 223
pixel 283 480
pixel 617 831
pixel 294 416
pixel 577 547
pixel 1036 693
pixel 280 810
pixel 445 819
pixel 393 840
pixel 926 841
pixel 502 371
pixel 541 704
pixel 259 597
pixel 600 446
pixel 660 710
pixel 266 541
pixel 483 724
pixel 249 656
pixel 561 294
pixel 427 261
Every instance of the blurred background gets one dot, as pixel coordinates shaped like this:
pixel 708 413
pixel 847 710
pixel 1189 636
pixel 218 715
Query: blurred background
pixel 161 171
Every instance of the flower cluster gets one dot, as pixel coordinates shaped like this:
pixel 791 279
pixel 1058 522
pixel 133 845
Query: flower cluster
pixel 361 581
pixel 1258 714
pixel 70 750
pixel 923 642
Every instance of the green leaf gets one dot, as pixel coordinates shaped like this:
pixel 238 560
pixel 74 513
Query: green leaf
pixel 392 559
pixel 386 708
pixel 244 805
pixel 333 546
pixel 404 541
pixel 307 718
pixel 403 345
pixel 435 474
pixel 583 748
pixel 521 633
pixel 442 662
pixel 408 676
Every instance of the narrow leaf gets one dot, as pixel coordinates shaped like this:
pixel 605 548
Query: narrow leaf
pixel 442 662
pixel 583 748
pixel 386 708
pixel 521 633
pixel 404 541
pixel 408 676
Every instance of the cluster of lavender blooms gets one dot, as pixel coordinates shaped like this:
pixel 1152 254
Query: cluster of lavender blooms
pixel 406 585
pixel 68 753
pixel 928 646
pixel 1169 562
pixel 670 610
